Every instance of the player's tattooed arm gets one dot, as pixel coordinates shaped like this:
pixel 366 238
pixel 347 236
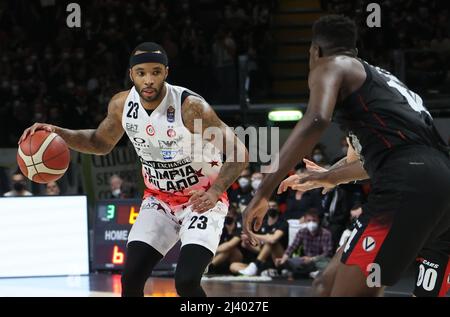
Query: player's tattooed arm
pixel 98 141
pixel 221 136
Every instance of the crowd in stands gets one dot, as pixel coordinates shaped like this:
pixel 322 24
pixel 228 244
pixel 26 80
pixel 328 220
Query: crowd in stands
pixel 66 76
pixel 419 28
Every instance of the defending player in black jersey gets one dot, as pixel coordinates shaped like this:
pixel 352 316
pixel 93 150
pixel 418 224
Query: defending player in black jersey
pixel 407 217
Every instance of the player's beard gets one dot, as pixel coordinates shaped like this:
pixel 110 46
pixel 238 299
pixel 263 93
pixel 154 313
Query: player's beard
pixel 153 98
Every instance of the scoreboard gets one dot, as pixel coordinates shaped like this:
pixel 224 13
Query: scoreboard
pixel 113 221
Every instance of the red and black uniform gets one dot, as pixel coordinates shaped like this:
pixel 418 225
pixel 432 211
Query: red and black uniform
pixel 407 216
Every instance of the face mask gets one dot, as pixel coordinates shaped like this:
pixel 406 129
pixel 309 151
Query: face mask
pixel 116 192
pixel 229 220
pixel 317 157
pixel 243 182
pixel 273 212
pixel 312 226
pixel 256 183
pixel 18 186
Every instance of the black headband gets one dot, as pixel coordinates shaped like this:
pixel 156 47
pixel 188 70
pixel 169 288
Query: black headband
pixel 149 57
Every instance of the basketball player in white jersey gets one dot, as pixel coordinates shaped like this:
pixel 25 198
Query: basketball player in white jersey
pixel 185 196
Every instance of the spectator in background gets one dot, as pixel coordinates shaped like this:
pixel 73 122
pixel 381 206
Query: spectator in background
pixel 274 237
pixel 298 203
pixel 354 214
pixel 256 180
pixel 4 179
pixel 318 156
pixel 115 181
pixel 128 190
pixel 52 189
pixel 243 194
pixel 224 56
pixel 19 185
pixel 228 250
pixel 337 205
pixel 316 245
pixel 343 151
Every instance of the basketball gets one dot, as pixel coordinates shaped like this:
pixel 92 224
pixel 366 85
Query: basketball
pixel 43 157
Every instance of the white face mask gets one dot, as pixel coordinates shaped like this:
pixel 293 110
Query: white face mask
pixel 256 183
pixel 116 192
pixel 318 157
pixel 312 226
pixel 243 182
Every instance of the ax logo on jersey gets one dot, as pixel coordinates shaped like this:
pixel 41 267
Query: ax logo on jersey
pixel 171 176
pixel 170 149
pixel 131 127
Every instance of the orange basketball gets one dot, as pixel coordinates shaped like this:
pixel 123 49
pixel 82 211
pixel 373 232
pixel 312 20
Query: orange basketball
pixel 43 157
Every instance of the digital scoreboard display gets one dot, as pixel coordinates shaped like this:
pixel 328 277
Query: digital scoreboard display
pixel 113 221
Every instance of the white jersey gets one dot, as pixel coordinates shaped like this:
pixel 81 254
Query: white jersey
pixel 165 148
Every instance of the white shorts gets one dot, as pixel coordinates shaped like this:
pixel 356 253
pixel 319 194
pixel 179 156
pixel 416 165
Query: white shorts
pixel 160 227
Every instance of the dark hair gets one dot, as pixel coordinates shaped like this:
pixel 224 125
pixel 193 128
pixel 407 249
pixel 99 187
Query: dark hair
pixel 148 47
pixel 334 33
pixel 312 212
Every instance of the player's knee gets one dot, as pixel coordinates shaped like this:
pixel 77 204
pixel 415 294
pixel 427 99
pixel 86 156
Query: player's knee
pixel 186 285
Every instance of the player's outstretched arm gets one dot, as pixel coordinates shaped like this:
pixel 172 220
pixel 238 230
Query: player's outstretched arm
pixel 98 141
pixel 342 174
pixel 345 170
pixel 225 141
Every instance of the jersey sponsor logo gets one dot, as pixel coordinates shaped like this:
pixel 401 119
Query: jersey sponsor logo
pixel 428 263
pixel 139 140
pixel 369 244
pixel 175 179
pixel 170 114
pixel 171 133
pixel 166 165
pixel 140 143
pixel 150 130
pixel 169 149
pixel 130 127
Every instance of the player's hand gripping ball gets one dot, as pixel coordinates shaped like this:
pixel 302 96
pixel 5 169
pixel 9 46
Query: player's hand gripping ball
pixel 43 156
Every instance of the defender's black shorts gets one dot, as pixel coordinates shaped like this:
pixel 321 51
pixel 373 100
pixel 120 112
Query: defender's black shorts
pixel 407 218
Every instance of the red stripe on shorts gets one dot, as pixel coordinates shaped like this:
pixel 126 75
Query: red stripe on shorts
pixel 446 282
pixel 365 252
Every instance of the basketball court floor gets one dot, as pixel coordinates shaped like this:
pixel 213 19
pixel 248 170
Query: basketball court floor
pixel 108 285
